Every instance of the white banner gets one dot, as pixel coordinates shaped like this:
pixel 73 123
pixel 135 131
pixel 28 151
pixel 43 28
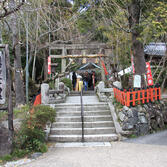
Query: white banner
pixel 137 81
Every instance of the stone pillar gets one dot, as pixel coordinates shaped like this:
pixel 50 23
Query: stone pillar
pixel 57 80
pixel 63 61
pixel 45 93
pixel 102 73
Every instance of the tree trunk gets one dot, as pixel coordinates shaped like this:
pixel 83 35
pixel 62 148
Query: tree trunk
pixel 9 97
pixel 19 88
pixel 0 35
pixel 35 56
pixel 45 66
pixel 34 67
pixel 137 47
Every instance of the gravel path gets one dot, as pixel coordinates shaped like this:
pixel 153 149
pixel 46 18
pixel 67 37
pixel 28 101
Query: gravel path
pixel 118 155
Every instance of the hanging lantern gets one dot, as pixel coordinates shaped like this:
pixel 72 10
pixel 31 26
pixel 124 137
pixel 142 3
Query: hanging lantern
pixel 97 60
pixel 84 60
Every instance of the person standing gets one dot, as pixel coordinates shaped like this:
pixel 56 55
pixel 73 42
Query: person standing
pixel 93 80
pixel 85 80
pixel 74 80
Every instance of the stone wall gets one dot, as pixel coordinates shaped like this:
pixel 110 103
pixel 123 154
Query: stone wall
pixel 102 92
pixel 5 146
pixel 51 96
pixel 143 119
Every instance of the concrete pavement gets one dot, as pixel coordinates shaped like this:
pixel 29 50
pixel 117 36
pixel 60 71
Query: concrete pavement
pixel 159 138
pixel 118 155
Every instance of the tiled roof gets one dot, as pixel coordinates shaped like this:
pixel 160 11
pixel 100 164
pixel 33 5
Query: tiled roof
pixel 158 49
pixel 89 66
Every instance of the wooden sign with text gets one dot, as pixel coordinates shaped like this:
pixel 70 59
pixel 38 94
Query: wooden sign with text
pixel 2 78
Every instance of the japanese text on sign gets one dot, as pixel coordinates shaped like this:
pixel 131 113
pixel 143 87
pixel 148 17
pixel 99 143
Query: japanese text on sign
pixel 149 74
pixel 2 79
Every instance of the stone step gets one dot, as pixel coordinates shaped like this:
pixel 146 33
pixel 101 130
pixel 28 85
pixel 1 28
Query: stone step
pixel 85 93
pixel 87 138
pixel 78 131
pixel 81 144
pixel 74 105
pixel 78 113
pixel 85 108
pixel 86 118
pixel 78 104
pixel 86 124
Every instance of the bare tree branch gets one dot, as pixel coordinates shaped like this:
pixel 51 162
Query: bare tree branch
pixel 8 12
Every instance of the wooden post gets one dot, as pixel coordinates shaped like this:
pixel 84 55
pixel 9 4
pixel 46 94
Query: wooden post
pixel 9 96
pixel 128 98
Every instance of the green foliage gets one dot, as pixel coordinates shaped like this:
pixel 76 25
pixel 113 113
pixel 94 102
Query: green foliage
pixel 21 112
pixel 3 115
pixel 43 148
pixel 19 153
pixel 155 26
pixel 133 136
pixel 117 104
pixel 118 39
pixel 84 24
pixel 51 85
pixel 161 78
pixel 125 80
pixel 42 114
pixel 67 82
pixel 31 135
pixel 29 139
pixel 7 157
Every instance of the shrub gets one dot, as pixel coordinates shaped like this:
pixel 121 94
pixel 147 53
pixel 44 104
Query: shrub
pixel 29 139
pixel 21 112
pixel 31 136
pixel 19 153
pixel 7 157
pixel 42 114
pixel 43 148
pixel 51 85
pixel 67 82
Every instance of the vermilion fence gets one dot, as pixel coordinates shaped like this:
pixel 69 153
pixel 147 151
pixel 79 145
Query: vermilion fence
pixel 132 97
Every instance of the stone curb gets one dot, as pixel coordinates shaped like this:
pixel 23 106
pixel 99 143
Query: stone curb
pixel 118 128
pixel 47 130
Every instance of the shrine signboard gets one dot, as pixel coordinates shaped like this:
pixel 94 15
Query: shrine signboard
pixel 2 78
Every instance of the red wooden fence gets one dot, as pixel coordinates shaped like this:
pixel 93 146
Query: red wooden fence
pixel 137 96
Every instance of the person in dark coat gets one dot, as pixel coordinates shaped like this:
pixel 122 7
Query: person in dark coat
pixel 86 80
pixel 74 80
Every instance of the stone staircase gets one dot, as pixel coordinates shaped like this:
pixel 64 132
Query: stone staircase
pixel 98 124
pixel 85 93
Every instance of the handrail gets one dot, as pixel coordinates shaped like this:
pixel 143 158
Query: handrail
pixel 82 115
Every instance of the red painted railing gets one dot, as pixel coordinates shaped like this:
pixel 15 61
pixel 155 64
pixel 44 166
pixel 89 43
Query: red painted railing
pixel 132 97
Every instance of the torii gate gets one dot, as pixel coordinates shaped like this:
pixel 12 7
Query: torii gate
pixel 82 48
